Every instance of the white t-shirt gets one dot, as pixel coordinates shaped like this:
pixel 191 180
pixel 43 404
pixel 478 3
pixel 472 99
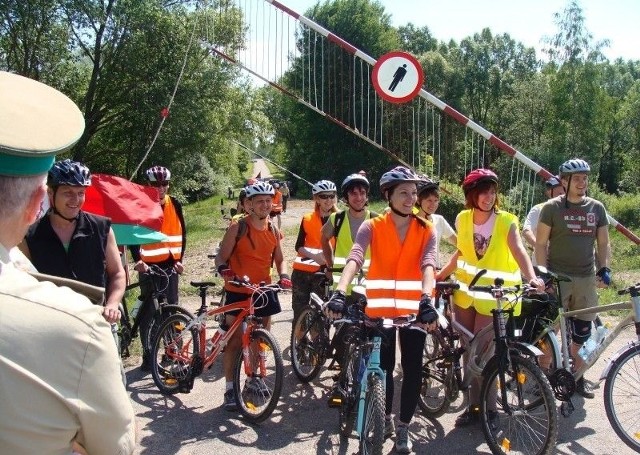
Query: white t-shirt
pixel 531 224
pixel 443 229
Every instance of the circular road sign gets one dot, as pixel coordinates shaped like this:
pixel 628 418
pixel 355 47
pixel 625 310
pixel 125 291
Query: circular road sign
pixel 397 77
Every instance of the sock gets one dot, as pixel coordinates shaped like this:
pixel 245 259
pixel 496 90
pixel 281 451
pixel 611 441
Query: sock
pixel 228 386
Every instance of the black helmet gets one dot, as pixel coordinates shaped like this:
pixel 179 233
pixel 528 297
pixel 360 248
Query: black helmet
pixel 426 185
pixel 67 172
pixel 352 181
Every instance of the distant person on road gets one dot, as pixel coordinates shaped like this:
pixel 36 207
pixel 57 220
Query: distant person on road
pixel 284 189
pixel 277 206
pixel 61 387
pixel 309 255
pixel 250 254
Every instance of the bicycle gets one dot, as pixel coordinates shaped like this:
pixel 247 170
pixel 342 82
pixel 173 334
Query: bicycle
pixel 362 381
pixel 128 331
pixel 311 340
pixel 621 370
pixel 517 406
pixel 182 351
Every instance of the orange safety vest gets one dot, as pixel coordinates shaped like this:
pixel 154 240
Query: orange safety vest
pixel 394 281
pixel 172 247
pixel 312 225
pixel 276 205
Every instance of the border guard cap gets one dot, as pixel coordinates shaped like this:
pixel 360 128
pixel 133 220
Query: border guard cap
pixel 36 122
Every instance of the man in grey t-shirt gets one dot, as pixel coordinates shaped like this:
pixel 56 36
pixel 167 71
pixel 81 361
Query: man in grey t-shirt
pixel 571 228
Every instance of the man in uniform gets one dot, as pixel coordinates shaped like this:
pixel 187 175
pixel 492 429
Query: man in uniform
pixel 61 385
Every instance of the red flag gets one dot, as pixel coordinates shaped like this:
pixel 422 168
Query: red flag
pixel 123 201
pixel 164 113
pixel 259 176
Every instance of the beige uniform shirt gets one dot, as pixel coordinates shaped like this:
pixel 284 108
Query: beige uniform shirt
pixel 59 371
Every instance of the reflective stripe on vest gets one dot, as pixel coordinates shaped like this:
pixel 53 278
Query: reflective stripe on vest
pixel 312 225
pixel 172 247
pixel 394 280
pixel 498 261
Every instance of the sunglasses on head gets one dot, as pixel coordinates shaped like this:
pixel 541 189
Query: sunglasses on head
pixel 159 183
pixel 326 196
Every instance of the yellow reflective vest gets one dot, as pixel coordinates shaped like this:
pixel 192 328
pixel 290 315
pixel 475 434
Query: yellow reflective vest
pixel 344 242
pixel 498 261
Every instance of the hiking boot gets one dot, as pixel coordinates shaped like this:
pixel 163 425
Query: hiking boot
pixel 256 386
pixel 230 401
pixel 403 443
pixel 389 428
pixel 471 415
pixel 584 390
pixel 145 366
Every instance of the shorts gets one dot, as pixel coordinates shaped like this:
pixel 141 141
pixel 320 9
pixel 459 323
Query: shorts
pixel 580 293
pixel 265 303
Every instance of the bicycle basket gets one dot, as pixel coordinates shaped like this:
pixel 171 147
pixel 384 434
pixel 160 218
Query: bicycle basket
pixel 538 310
pixel 266 303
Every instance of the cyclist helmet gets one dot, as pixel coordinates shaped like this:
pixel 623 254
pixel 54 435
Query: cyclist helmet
pixel 426 185
pixel 276 185
pixel 396 176
pixel 260 189
pixel 552 182
pixel 352 181
pixel 67 172
pixel 158 174
pixel 323 186
pixel 574 166
pixel 477 176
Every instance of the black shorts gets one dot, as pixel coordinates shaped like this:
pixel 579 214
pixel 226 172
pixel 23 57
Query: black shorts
pixel 265 303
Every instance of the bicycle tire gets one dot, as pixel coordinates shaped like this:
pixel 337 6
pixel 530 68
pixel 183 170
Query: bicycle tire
pixel 350 385
pixel 308 350
pixel 621 394
pixel 256 403
pixel 159 318
pixel 172 353
pixel 372 437
pixel 431 346
pixel 530 427
pixel 439 387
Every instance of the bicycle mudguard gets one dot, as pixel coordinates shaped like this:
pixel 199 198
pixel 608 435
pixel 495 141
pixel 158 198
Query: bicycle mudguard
pixel 632 345
pixel 315 299
pixel 173 309
pixel 527 349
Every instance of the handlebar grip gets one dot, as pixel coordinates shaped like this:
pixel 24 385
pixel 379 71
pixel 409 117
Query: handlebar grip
pixel 487 289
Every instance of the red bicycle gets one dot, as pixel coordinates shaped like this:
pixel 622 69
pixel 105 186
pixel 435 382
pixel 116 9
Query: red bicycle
pixel 182 350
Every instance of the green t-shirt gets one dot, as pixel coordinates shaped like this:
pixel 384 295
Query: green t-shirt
pixel 573 234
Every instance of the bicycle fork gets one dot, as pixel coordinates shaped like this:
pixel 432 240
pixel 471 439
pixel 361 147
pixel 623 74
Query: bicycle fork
pixel 254 362
pixel 368 367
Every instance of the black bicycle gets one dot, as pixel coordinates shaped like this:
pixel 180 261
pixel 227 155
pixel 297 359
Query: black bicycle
pixel 129 326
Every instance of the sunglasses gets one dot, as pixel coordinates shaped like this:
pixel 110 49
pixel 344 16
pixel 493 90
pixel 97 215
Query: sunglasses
pixel 156 184
pixel 326 196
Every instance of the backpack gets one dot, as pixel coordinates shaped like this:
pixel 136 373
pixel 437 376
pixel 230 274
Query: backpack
pixel 340 219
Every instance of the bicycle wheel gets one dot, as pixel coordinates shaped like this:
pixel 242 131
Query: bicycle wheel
pixel 529 423
pixel 307 344
pixel 350 386
pixel 431 346
pixel 372 437
pixel 257 386
pixel 439 387
pixel 159 318
pixel 172 353
pixel 621 396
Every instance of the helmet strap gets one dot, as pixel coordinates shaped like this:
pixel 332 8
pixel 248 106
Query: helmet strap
pixel 403 215
pixel 55 211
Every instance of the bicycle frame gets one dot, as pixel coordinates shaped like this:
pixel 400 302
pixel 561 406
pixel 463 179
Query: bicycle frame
pixel 372 367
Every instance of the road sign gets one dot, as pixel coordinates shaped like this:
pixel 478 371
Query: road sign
pixel 397 77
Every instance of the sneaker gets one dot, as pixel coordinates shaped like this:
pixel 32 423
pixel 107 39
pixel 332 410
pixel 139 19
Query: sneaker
pixel 256 386
pixel 403 443
pixel 471 415
pixel 145 366
pixel 389 428
pixel 230 401
pixel 584 390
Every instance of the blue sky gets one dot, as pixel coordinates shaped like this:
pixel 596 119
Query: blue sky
pixel 526 21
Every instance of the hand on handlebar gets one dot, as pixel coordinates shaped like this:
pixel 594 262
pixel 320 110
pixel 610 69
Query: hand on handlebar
pixel 335 306
pixel 538 284
pixel 427 314
pixel 285 281
pixel 141 267
pixel 225 272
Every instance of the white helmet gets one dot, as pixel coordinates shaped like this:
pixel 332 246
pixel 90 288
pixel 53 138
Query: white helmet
pixel 396 176
pixel 259 189
pixel 324 186
pixel 575 166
